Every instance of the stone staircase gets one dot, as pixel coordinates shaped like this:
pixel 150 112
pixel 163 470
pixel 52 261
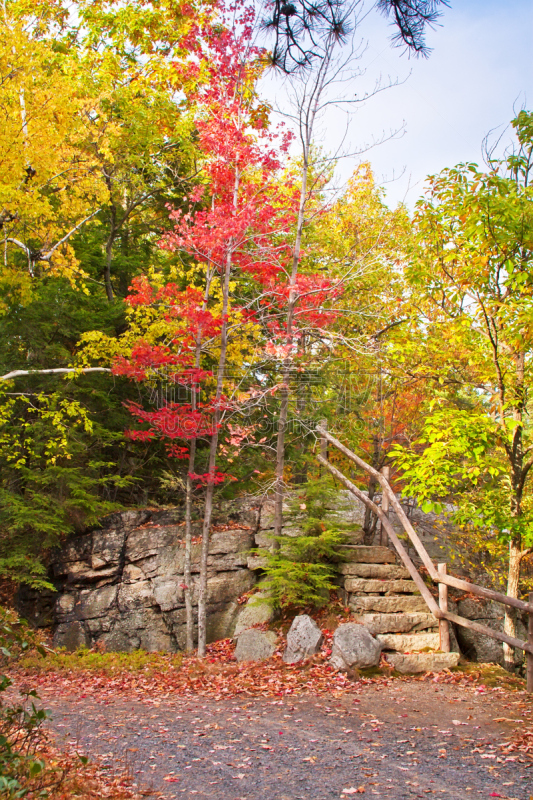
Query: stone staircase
pixel 386 601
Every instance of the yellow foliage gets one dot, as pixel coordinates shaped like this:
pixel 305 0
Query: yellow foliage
pixel 48 185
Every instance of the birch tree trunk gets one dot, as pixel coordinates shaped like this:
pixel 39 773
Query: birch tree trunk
pixel 513 578
pixel 187 577
pixel 208 509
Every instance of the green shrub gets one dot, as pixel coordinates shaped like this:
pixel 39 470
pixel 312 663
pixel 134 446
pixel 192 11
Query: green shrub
pixel 300 571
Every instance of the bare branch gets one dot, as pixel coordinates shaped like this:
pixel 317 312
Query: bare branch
pixel 9 376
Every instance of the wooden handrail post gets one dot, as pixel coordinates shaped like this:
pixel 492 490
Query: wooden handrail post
pixel 444 625
pixel 529 656
pixel 384 539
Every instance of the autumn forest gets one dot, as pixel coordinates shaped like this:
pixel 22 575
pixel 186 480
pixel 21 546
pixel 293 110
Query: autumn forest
pixel 187 290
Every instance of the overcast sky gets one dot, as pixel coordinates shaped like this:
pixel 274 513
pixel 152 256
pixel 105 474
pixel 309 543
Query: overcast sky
pixel 480 68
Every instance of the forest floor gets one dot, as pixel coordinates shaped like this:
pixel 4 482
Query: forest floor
pixel 448 735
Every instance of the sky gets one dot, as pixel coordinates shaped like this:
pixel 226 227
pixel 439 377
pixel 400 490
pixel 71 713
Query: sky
pixel 479 73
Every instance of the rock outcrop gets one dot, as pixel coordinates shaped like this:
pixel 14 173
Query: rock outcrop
pixel 476 646
pixel 122 585
pixel 256 611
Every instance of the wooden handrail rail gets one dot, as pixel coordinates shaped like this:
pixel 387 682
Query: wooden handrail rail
pixel 437 577
pixel 415 575
pixel 393 536
pixel 419 547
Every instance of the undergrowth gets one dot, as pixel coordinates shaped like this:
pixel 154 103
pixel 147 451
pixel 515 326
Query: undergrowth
pixel 491 675
pixel 94 661
pixel 30 765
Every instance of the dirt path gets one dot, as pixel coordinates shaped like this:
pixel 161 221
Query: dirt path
pixel 402 740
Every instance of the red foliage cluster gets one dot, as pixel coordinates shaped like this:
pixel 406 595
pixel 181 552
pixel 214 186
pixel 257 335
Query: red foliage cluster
pixel 174 421
pixel 239 221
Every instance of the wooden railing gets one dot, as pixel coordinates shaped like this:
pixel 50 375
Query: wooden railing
pixel 438 575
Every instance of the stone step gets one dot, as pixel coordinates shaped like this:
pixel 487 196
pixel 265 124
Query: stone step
pixel 409 663
pixel 397 623
pixel 369 555
pixel 410 642
pixel 372 585
pixel 387 605
pixel 352 539
pixel 389 572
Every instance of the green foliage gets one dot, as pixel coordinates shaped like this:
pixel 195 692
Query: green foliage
pixel 48 485
pixel 459 468
pixel 316 499
pixel 19 724
pixel 471 347
pixel 300 571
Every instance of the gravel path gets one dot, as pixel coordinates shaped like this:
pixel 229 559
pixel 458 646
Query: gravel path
pixel 396 741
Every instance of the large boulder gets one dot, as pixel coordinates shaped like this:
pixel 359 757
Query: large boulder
pixel 303 639
pixel 354 648
pixel 255 645
pixel 256 611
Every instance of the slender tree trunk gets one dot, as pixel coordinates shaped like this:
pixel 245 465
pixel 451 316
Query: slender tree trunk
pixel 370 520
pixel 113 232
pixel 187 579
pixel 279 489
pixel 513 578
pixel 307 120
pixel 208 509
pixel 302 399
pixel 515 545
pixel 109 258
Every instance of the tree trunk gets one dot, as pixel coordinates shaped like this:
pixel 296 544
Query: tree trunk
pixel 302 399
pixel 517 481
pixel 513 577
pixel 109 255
pixel 187 579
pixel 187 591
pixel 279 487
pixel 208 509
pixel 370 520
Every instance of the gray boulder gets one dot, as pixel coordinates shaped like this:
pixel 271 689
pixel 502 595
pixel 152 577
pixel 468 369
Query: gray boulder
pixel 354 647
pixel 303 639
pixel 255 612
pixel 255 645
